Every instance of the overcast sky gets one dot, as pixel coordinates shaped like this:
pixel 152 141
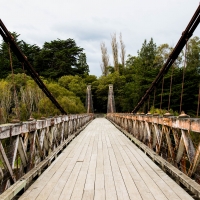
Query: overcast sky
pixel 90 22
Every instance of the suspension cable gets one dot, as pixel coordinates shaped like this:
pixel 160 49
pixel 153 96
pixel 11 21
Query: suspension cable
pixel 162 93
pixel 7 37
pixel 170 90
pixel 184 68
pixel 194 22
pixel 154 97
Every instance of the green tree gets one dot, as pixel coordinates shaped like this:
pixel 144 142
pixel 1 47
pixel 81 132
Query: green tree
pixel 30 51
pixel 100 89
pixel 89 79
pixel 82 65
pixel 147 54
pixel 75 84
pixel 193 54
pixel 61 57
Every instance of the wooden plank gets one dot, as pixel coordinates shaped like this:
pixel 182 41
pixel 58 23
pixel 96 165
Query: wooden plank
pixel 80 183
pixel 182 178
pixel 82 155
pixel 122 192
pixel 129 183
pixel 12 153
pixel 167 191
pixel 41 182
pixel 140 184
pixel 69 186
pixel 110 189
pixel 152 186
pixel 171 183
pixel 31 158
pixel 90 179
pixel 19 185
pixel 62 173
pixel 22 152
pixel 99 180
pixel 65 184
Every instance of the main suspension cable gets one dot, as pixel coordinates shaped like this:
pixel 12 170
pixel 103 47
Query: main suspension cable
pixel 194 22
pixel 8 38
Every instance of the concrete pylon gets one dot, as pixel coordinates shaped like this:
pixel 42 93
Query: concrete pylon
pixel 89 102
pixel 111 100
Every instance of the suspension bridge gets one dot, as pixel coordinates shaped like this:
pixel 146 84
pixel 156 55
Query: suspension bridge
pixel 84 156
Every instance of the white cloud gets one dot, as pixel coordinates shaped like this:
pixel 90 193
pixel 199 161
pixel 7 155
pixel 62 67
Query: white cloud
pixel 90 22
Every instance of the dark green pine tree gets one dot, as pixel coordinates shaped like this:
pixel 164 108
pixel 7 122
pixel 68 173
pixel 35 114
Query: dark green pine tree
pixel 30 51
pixel 61 57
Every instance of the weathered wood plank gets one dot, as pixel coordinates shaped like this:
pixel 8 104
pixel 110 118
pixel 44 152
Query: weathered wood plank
pixel 42 181
pixel 122 192
pixel 62 173
pixel 129 183
pixel 147 164
pixel 65 184
pixel 171 183
pixel 99 180
pixel 80 183
pixel 110 189
pixel 69 186
pixel 139 182
pixel 90 179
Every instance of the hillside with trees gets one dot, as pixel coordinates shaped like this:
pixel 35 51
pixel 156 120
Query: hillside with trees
pixel 63 67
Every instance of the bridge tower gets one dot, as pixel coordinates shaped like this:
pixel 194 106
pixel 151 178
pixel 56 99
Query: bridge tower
pixel 89 102
pixel 111 100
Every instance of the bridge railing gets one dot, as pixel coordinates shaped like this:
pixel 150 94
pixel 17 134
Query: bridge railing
pixel 34 145
pixel 175 139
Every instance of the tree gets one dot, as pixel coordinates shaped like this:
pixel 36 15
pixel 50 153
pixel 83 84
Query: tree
pixel 114 46
pixel 105 59
pixel 5 101
pixel 82 65
pixel 123 51
pixel 193 54
pixel 191 72
pixel 30 51
pixel 75 84
pixel 162 54
pixel 101 91
pixel 89 79
pixel 147 54
pixel 61 57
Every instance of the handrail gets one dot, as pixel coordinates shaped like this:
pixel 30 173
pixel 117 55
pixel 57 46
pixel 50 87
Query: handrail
pixel 172 142
pixel 24 146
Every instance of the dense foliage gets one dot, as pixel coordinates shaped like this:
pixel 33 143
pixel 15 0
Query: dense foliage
pixel 55 59
pixel 62 66
pixel 21 98
pixel 132 81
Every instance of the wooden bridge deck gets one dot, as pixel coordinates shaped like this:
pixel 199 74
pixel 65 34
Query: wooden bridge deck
pixel 101 163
